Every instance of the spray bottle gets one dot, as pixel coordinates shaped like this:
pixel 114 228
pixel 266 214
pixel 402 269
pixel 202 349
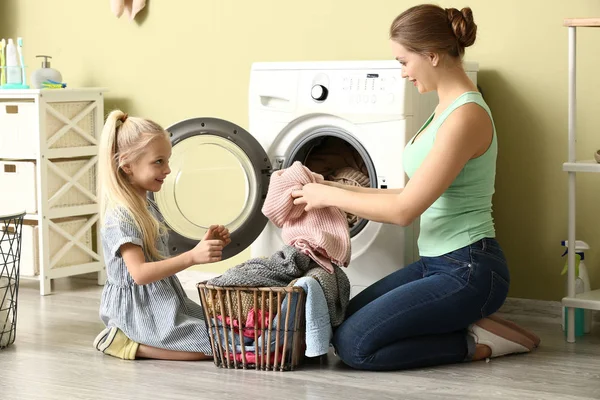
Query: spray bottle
pixel 583 318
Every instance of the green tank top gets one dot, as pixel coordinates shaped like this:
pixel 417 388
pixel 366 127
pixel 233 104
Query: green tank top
pixel 462 215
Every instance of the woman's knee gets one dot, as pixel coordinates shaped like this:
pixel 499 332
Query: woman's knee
pixel 347 348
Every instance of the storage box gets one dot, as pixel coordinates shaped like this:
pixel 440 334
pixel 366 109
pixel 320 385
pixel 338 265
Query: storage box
pixel 66 124
pixel 19 133
pixel 75 255
pixel 62 182
pixel 18 184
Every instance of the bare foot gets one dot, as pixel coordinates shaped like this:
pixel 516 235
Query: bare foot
pixel 532 336
pixel 482 352
pixel 500 339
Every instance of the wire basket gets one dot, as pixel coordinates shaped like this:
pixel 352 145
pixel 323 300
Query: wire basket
pixel 10 258
pixel 255 328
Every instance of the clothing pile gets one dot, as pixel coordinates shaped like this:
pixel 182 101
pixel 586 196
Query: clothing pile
pixel 317 244
pixel 327 297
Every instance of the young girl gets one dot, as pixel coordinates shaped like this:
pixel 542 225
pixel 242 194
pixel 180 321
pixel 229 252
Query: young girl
pixel 144 307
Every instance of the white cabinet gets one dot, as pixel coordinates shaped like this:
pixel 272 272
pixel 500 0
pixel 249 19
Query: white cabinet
pixel 48 158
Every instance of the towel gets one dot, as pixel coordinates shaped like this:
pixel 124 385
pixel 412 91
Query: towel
pixel 322 234
pixel 318 324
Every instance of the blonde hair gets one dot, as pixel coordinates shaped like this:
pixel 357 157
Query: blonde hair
pixel 123 141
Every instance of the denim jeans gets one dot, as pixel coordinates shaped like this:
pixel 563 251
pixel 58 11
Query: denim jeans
pixel 419 315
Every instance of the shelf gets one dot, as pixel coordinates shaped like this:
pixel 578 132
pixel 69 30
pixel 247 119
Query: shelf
pixel 588 300
pixel 72 152
pixel 78 269
pixel 29 277
pixel 582 166
pixel 582 22
pixel 63 272
pixel 73 211
pixel 63 212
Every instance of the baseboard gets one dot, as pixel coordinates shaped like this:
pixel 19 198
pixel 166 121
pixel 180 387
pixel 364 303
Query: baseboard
pixel 529 308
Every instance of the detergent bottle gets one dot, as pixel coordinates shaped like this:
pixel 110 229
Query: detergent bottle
pixel 583 318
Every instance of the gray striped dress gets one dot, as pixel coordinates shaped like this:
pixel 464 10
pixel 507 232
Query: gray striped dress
pixel 158 314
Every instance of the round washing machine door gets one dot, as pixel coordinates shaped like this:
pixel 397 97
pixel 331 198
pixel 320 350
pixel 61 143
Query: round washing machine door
pixel 219 175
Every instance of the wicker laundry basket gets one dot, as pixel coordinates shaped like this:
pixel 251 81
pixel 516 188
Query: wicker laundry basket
pixel 245 322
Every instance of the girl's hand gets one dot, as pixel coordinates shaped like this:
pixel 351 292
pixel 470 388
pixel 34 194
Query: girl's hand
pixel 313 195
pixel 218 232
pixel 210 249
pixel 207 251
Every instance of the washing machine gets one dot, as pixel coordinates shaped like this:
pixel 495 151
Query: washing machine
pixel 343 119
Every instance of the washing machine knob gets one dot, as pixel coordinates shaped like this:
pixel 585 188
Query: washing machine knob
pixel 319 92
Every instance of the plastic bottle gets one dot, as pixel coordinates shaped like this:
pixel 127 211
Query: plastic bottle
pixel 583 318
pixel 45 73
pixel 13 71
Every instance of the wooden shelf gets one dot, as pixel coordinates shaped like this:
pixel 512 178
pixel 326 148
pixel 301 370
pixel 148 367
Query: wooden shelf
pixel 63 212
pixel 67 240
pixel 582 166
pixel 582 22
pixel 588 300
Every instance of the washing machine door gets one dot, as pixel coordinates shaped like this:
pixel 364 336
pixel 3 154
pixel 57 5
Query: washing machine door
pixel 219 175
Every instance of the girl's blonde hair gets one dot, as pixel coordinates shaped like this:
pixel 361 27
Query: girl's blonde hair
pixel 123 142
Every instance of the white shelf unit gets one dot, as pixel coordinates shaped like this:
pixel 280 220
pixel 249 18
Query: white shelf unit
pixel 52 135
pixel 588 300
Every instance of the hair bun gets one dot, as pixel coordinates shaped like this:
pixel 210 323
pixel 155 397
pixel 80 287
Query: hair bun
pixel 463 26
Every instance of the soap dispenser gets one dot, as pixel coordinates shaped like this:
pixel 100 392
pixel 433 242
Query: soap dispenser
pixel 45 73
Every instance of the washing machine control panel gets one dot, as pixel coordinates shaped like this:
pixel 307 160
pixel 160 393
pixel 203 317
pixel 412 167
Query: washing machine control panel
pixel 373 92
pixel 370 88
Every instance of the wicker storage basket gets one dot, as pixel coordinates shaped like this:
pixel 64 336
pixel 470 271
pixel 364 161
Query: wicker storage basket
pixel 228 310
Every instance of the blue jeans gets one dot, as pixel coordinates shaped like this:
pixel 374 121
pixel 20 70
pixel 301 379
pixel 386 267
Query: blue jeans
pixel 419 315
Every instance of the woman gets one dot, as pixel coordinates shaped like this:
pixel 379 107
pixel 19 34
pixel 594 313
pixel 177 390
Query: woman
pixel 436 310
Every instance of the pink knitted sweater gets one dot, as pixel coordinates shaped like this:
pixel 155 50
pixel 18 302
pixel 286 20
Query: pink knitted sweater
pixel 321 234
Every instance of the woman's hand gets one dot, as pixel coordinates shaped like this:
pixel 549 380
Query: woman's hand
pixel 313 195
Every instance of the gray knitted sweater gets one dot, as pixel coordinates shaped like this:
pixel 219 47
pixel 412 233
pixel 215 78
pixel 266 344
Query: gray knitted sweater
pixel 282 269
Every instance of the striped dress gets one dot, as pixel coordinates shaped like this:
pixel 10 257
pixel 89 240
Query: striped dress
pixel 158 314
